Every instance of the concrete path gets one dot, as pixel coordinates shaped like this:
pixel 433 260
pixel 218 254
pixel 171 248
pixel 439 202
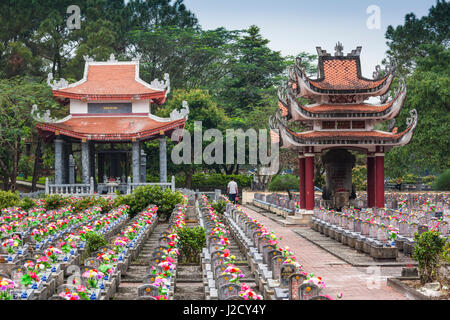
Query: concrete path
pixel 355 283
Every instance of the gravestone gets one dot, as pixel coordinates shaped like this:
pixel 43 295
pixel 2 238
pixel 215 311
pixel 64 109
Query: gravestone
pixel 155 261
pixel 277 263
pixel 215 261
pixel 148 290
pixel 307 290
pixel 286 271
pixel 365 228
pixel 92 262
pixel 164 241
pixel 271 255
pixel 229 290
pixel 295 281
pixel 265 252
pixel 422 229
pixel 218 270
pixel 16 275
pixel 262 241
pixel 235 298
pixel 223 279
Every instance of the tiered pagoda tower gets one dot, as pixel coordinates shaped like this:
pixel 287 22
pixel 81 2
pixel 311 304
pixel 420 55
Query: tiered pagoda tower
pixel 109 105
pixel 338 118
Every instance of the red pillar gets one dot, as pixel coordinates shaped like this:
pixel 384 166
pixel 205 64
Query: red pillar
pixel 302 182
pixel 309 181
pixel 370 180
pixel 379 165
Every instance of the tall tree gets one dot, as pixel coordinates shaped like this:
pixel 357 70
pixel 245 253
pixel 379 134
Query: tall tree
pixel 252 73
pixel 404 40
pixel 17 96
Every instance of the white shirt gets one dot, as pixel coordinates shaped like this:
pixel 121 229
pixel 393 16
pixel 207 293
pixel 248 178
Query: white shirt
pixel 232 187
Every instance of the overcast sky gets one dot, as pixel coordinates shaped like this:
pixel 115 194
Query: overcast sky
pixel 293 26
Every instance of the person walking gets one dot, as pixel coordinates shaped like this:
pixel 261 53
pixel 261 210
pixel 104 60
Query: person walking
pixel 232 190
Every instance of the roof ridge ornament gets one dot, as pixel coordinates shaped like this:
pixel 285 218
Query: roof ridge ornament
pixel 112 58
pixel 137 57
pixel 163 84
pixel 56 85
pixel 339 48
pixel 322 53
pixel 46 118
pixel 356 52
pixel 413 119
pixel 87 58
pixel 181 114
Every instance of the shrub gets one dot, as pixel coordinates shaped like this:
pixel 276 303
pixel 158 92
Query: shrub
pixel 94 241
pixel 143 196
pixel 427 253
pixel 442 182
pixel 9 199
pixel 218 180
pixel 55 201
pixel 285 182
pixel 190 244
pixel 219 206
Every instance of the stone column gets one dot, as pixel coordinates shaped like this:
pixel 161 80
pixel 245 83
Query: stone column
pixel 379 167
pixel 101 167
pixel 135 160
pixel 65 163
pixel 162 159
pixel 85 162
pixel 309 181
pixel 370 180
pixel 302 181
pixel 143 170
pixel 59 150
pixel 71 170
pixel 92 161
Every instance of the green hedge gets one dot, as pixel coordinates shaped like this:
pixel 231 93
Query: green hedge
pixel 9 199
pixel 209 180
pixel 442 182
pixel 143 196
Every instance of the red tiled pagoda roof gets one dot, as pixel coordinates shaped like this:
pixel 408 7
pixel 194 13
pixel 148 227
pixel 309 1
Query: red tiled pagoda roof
pixel 343 74
pixel 111 82
pixel 108 128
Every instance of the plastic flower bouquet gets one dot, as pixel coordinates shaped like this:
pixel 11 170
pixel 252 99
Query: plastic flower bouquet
pixel 311 278
pixel 234 272
pixel 6 286
pixel 53 253
pixel 248 294
pixel 29 278
pixel 11 243
pixel 93 276
pixel 80 293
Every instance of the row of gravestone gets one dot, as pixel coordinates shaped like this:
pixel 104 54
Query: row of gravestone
pixel 149 291
pixel 418 201
pixel 353 226
pixel 289 281
pixel 49 279
pixel 109 285
pixel 214 260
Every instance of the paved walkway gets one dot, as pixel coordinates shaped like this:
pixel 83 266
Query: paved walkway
pixel 355 283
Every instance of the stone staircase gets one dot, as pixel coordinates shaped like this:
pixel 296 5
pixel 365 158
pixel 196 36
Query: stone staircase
pixel 128 289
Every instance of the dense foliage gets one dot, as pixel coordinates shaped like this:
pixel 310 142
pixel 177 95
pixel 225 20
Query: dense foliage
pixel 427 252
pixel 143 196
pixel 442 182
pixel 285 182
pixel 191 242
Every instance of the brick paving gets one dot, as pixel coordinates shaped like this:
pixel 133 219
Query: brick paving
pixel 355 283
